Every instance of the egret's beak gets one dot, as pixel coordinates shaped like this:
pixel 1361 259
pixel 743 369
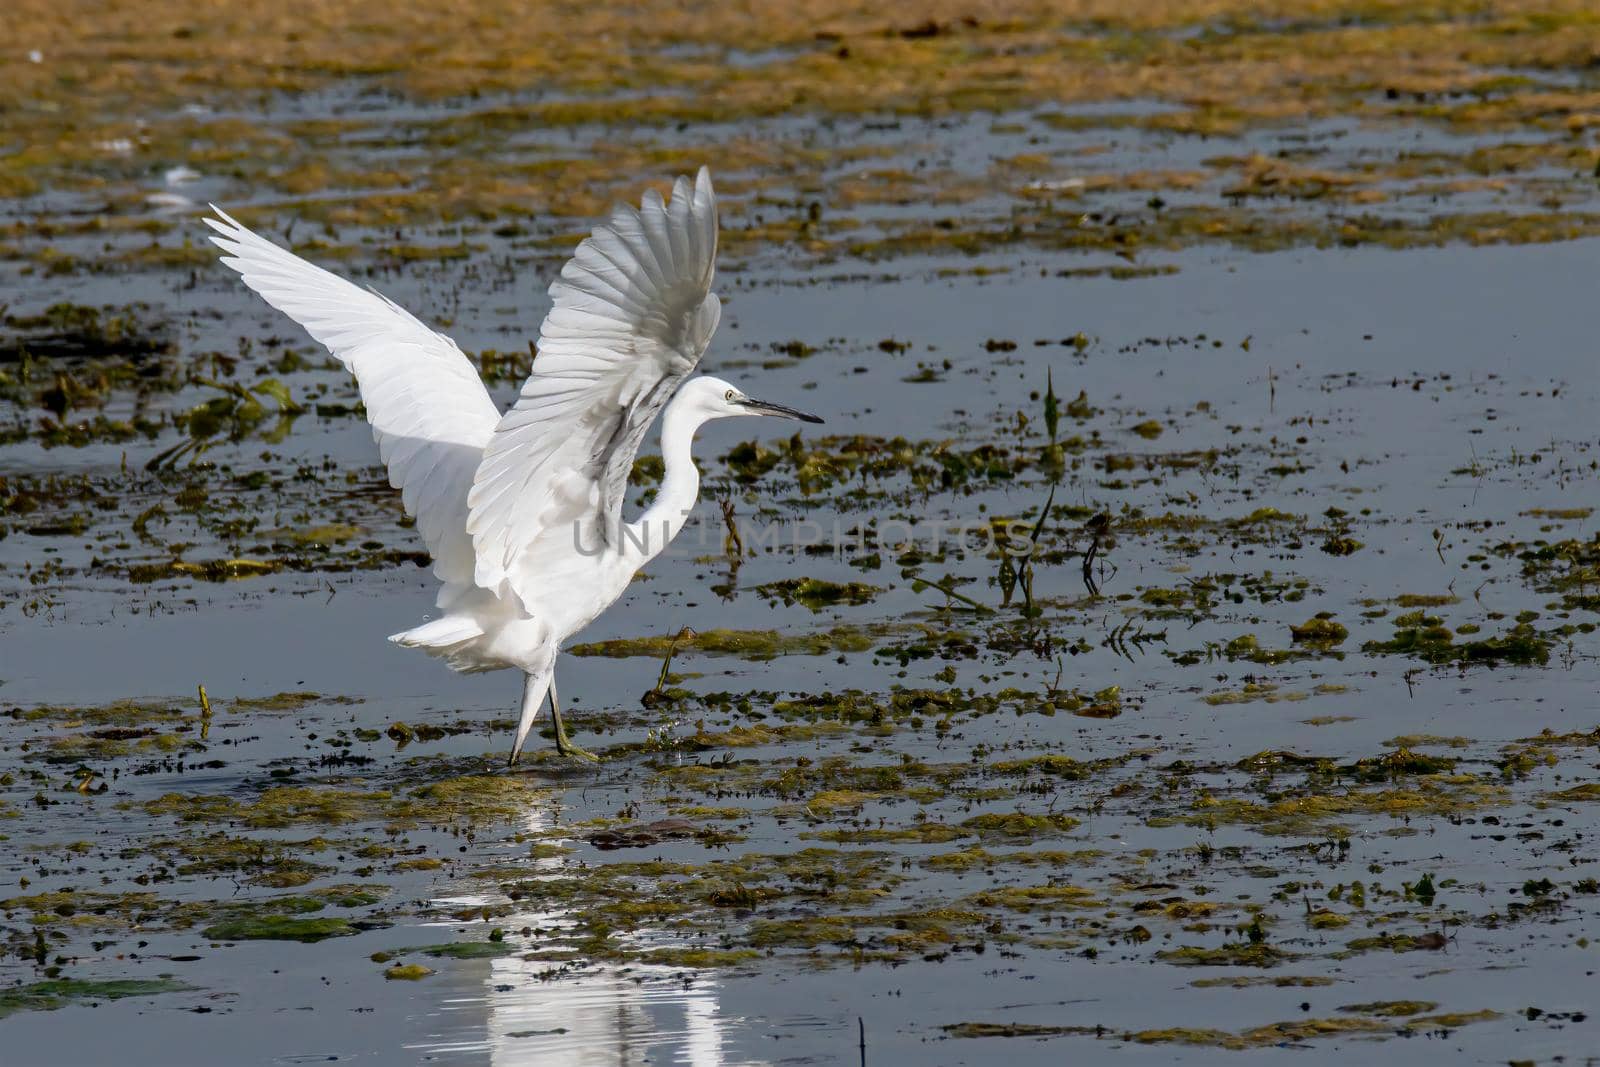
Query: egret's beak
pixel 761 407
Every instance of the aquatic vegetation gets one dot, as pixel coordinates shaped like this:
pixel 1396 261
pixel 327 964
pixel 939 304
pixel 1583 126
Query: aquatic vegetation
pixel 1231 954
pixel 1037 898
pixel 459 950
pixel 1322 630
pixel 1317 812
pixel 99 104
pixel 279 928
pixel 1107 765
pixel 1019 824
pixel 753 644
pixel 279 806
pixel 1427 638
pixel 60 992
pixel 816 594
pixel 1391 1008
pixel 279 864
pixel 1015 1030
pixel 1273 1035
pixel 1279 981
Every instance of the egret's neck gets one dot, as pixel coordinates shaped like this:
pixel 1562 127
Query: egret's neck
pixel 680 485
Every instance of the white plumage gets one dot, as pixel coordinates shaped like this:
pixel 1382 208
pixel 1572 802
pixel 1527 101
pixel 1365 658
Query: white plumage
pixel 633 311
pixel 522 513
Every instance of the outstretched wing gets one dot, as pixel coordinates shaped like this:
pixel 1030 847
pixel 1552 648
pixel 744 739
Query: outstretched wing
pixel 429 411
pixel 633 312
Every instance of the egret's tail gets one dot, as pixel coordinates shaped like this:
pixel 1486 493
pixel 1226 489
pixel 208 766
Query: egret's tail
pixel 534 687
pixel 445 638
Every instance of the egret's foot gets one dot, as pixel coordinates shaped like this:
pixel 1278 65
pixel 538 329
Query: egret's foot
pixel 565 747
pixel 572 751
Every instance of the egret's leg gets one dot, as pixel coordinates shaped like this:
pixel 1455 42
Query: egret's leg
pixel 533 687
pixel 564 744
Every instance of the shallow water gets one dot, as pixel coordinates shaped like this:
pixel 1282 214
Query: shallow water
pixel 1426 404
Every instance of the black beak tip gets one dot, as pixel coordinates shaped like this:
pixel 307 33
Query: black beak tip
pixel 815 420
pixel 763 407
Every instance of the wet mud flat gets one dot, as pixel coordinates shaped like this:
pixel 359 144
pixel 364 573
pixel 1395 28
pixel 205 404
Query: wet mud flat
pixel 1179 641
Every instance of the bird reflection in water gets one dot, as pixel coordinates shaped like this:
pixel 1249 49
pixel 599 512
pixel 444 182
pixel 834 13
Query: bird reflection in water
pixel 590 1016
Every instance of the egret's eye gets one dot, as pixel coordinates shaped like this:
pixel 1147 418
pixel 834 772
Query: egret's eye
pixel 729 397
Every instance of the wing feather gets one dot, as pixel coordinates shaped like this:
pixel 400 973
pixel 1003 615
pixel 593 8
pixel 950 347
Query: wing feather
pixel 632 314
pixel 430 413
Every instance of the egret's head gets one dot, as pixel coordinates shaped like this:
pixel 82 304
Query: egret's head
pixel 719 400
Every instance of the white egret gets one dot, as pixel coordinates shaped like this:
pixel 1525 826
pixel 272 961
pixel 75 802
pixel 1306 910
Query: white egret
pixel 522 512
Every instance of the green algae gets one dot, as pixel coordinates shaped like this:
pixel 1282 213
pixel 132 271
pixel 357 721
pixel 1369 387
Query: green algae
pixel 60 992
pixel 1426 740
pixel 287 701
pixel 467 797
pixel 273 863
pixel 742 736
pixel 277 807
pixel 121 713
pixel 1425 637
pixel 461 950
pixel 831 801
pixel 1589 791
pixel 1568 568
pixel 1561 514
pixel 1019 824
pixel 743 644
pixel 1397 764
pixel 926 833
pixel 1390 1008
pixel 1051 765
pixel 1037 898
pixel 1322 630
pixel 977 857
pixel 1386 942
pixel 1425 600
pixel 89 909
pixel 699 959
pixel 814 594
pixel 477 797
pixel 1248 647
pixel 1036 1030
pixel 350 896
pixel 1278 981
pixel 801 933
pixel 110 743
pixel 1267 692
pixel 280 928
pixel 1270 1036
pixel 1231 954
pixel 1325 812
